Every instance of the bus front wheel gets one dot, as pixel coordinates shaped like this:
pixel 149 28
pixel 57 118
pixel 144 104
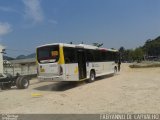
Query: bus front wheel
pixel 115 70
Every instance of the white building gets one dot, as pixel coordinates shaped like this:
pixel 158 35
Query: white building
pixel 1 58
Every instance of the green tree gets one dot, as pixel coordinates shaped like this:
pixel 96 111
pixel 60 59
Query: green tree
pixel 98 44
pixel 152 47
pixel 138 54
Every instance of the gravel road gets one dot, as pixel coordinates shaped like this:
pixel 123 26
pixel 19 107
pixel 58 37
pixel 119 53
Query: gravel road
pixel 130 91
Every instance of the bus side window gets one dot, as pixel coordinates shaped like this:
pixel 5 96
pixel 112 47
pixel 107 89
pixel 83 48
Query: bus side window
pixel 103 56
pixel 69 55
pixel 67 60
pixel 90 57
pixel 97 55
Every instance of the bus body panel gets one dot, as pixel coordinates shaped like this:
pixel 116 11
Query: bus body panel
pixel 49 76
pixel 71 72
pixel 109 67
pixel 49 69
pixel 101 68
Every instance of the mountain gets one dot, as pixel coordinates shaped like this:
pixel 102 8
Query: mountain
pixel 33 55
pixel 21 57
pixel 8 58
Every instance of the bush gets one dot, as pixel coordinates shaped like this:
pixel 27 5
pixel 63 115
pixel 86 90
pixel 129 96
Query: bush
pixel 142 65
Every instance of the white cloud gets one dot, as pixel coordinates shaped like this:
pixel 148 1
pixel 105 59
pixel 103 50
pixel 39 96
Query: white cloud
pixel 5 28
pixel 33 10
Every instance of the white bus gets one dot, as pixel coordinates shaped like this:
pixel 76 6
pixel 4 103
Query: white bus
pixel 69 62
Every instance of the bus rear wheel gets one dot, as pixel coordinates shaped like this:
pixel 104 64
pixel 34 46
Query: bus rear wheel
pixel 92 77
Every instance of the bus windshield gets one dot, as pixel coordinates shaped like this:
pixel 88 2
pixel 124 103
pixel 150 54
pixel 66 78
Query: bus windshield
pixel 48 54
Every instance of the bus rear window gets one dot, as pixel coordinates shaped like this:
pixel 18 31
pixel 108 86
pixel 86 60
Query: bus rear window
pixel 48 54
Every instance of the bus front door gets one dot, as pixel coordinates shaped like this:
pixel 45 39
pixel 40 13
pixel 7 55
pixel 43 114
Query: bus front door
pixel 81 64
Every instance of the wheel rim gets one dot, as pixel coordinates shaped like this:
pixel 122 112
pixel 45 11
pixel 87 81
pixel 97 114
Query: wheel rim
pixel 25 83
pixel 92 77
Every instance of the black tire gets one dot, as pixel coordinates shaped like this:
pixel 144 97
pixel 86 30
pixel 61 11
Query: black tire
pixel 5 86
pixel 17 83
pixel 22 82
pixel 115 70
pixel 92 76
pixel 2 87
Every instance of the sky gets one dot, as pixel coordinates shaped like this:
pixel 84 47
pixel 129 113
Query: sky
pixel 26 24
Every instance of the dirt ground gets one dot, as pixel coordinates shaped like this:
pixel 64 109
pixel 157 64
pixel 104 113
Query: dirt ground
pixel 130 91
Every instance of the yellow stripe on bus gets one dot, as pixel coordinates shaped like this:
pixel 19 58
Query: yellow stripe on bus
pixel 36 57
pixel 76 70
pixel 61 57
